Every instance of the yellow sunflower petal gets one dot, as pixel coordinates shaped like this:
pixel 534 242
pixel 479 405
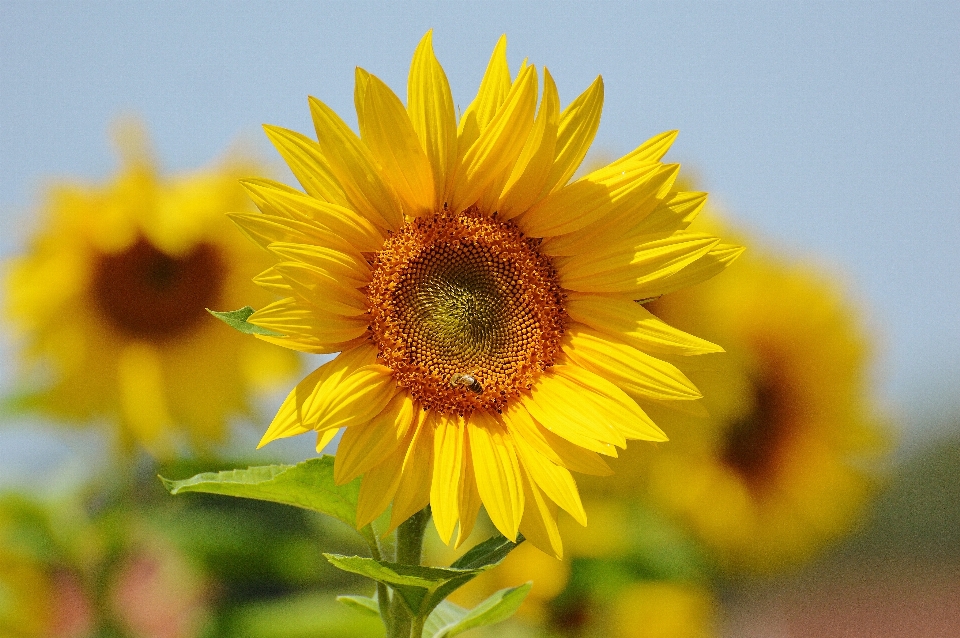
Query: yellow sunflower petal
pixel 346 391
pixel 346 224
pixel 496 150
pixel 710 265
pixel 324 438
pixel 493 91
pixel 539 522
pixel 307 164
pixel 557 449
pixel 368 444
pixel 625 320
pixel 676 212
pixel 652 150
pixel 143 396
pixel 558 405
pixel 351 163
pixel 257 185
pixel 497 471
pixel 611 404
pixel 379 485
pixel 627 271
pixel 526 181
pixel 348 266
pixel 296 320
pixel 555 481
pixel 387 131
pixel 470 502
pixel 431 111
pixel 578 126
pixel 338 297
pixel 267 229
pixel 606 191
pixel 448 451
pixel 413 493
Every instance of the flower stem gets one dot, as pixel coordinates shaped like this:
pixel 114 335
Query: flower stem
pixel 402 623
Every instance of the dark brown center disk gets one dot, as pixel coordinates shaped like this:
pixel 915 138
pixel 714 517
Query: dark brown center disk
pixel 465 311
pixel 151 295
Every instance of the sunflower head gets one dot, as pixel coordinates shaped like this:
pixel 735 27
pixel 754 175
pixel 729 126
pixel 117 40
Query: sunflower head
pixel 109 298
pixel 483 305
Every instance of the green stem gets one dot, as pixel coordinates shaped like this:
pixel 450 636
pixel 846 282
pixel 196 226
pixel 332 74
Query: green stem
pixel 402 623
pixel 383 596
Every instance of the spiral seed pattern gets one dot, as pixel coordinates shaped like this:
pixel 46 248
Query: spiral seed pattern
pixel 455 296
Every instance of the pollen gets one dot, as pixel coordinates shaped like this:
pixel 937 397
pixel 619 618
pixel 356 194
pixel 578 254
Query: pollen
pixel 465 311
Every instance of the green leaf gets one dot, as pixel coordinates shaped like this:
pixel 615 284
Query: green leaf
pixel 363 604
pixel 494 609
pixel 489 552
pixel 309 485
pixel 237 319
pixel 444 615
pixel 420 588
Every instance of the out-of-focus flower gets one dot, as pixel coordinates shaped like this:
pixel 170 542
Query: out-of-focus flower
pixel 483 307
pixel 782 464
pixel 39 602
pixel 663 609
pixel 156 593
pixel 109 297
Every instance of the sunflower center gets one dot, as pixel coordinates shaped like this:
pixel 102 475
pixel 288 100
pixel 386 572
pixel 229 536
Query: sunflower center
pixel 151 295
pixel 465 311
pixel 754 442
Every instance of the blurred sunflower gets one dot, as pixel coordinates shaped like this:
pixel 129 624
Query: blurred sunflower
pixel 25 596
pixel 109 298
pixel 483 308
pixel 786 458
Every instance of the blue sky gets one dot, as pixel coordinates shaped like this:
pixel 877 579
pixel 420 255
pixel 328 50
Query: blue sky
pixel 829 129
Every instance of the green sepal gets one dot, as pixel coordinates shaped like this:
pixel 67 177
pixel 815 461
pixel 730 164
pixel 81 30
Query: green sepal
pixel 489 552
pixel 363 604
pixel 448 620
pixel 309 485
pixel 420 588
pixel 237 319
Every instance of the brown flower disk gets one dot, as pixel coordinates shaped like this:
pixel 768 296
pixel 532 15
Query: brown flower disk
pixel 465 311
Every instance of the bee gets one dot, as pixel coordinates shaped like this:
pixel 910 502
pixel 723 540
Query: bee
pixel 468 381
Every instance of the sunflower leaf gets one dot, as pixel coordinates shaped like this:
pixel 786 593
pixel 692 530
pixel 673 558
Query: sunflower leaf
pixel 489 552
pixel 363 604
pixel 309 485
pixel 420 588
pixel 237 319
pixel 498 607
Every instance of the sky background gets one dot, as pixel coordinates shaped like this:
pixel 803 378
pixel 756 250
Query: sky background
pixel 831 130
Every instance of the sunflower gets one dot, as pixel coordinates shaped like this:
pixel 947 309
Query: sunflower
pixel 482 306
pixel 109 299
pixel 783 457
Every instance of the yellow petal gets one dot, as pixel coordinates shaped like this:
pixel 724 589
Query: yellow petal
pixel 612 404
pixel 387 131
pixel 627 271
pixel 368 444
pixel 621 224
pixel 257 185
pixel 497 472
pixel 606 191
pixel 530 173
pixel 323 289
pixel 143 396
pixel 652 150
pixel 578 126
pixel 558 450
pixel 347 391
pixel 307 163
pixel 674 213
pixel 625 320
pixel 470 502
pixel 448 450
pixel 355 169
pixel 347 265
pixel 413 493
pixel 298 321
pixel 539 522
pixel 346 224
pixel 380 483
pixel 555 481
pixel 710 265
pixel 431 111
pixel 324 438
pixel 493 155
pixel 562 407
pixel 267 229
pixel 494 88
